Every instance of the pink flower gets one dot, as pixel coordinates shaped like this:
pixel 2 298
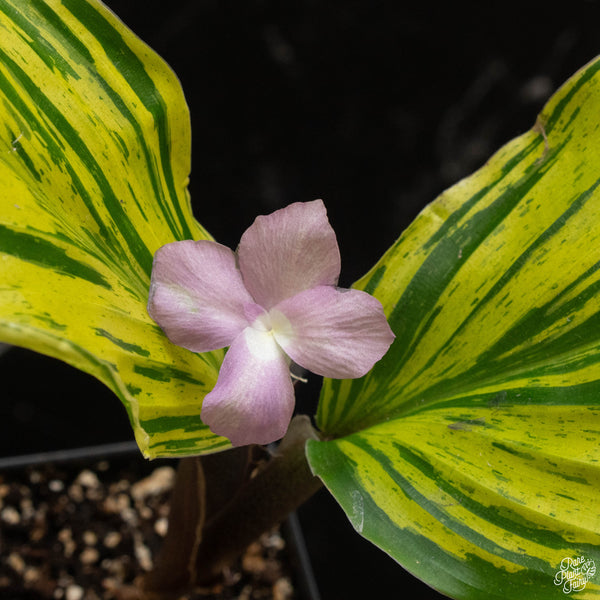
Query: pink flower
pixel 275 301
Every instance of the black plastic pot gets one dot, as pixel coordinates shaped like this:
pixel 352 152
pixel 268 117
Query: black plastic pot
pixel 304 582
pixel 347 566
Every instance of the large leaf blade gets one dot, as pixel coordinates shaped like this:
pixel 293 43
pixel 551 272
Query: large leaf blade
pixel 92 181
pixel 474 445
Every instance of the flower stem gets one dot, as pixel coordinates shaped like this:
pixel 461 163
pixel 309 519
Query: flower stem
pixel 218 507
pixel 277 489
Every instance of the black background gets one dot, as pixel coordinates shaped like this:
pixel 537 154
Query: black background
pixel 376 107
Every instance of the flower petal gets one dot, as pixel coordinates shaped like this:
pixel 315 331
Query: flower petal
pixel 332 332
pixel 288 251
pixel 197 295
pixel 253 400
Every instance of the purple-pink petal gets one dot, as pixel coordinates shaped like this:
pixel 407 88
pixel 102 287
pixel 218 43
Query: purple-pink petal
pixel 332 332
pixel 253 400
pixel 288 251
pixel 197 295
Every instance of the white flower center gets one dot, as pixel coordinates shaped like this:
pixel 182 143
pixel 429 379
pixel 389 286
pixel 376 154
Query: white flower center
pixel 265 333
pixel 262 344
pixel 280 325
pixel 273 322
pixel 263 323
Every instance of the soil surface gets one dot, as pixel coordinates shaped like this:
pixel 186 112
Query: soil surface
pixel 82 531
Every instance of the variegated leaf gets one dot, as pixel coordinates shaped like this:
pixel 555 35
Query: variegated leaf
pixel 471 452
pixel 94 163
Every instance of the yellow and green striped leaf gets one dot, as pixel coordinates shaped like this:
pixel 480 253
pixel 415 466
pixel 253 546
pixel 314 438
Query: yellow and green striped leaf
pixel 94 164
pixel 471 452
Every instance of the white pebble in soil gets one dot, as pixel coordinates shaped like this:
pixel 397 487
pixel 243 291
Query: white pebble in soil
pixel 159 481
pixel 10 515
pixel 89 556
pixel 90 538
pixel 142 552
pixel 56 486
pixel 161 526
pixel 282 589
pixel 88 479
pixel 112 539
pixel 74 592
pixel 16 562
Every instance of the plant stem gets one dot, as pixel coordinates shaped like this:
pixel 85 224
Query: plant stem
pixel 174 567
pixel 261 503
